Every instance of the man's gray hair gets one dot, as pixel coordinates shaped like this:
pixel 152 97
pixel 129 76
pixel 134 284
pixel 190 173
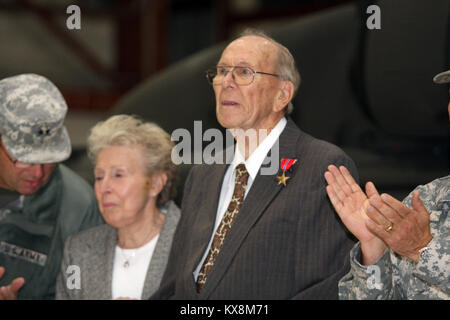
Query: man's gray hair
pixel 126 130
pixel 286 67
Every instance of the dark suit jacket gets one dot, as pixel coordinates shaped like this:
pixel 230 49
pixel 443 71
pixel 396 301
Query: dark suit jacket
pixel 286 242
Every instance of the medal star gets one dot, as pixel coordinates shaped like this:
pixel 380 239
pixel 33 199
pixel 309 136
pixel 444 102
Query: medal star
pixel 282 179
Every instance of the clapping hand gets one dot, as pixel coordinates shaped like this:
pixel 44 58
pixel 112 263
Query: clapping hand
pixel 403 229
pixel 378 221
pixel 351 204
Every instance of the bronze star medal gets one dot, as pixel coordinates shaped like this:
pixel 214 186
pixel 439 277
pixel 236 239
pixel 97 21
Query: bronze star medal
pixel 282 179
pixel 286 164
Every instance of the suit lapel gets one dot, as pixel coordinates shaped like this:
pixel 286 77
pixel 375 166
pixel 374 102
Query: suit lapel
pixel 110 252
pixel 159 258
pixel 263 191
pixel 101 277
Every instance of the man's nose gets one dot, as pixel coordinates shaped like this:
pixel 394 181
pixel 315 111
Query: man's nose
pixel 37 170
pixel 229 78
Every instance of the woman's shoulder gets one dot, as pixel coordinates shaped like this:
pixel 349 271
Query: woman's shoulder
pixel 91 237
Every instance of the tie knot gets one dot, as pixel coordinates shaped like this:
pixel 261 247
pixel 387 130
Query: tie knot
pixel 241 175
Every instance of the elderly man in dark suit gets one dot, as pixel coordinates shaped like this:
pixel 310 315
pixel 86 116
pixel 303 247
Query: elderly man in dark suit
pixel 247 234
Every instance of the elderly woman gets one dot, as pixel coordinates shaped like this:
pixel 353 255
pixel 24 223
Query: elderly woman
pixel 134 185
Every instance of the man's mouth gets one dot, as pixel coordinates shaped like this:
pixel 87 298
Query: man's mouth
pixel 229 103
pixel 33 183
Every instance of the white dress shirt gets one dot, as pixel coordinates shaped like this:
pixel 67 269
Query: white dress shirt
pixel 252 164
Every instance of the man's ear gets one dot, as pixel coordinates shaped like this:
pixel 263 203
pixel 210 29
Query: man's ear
pixel 285 95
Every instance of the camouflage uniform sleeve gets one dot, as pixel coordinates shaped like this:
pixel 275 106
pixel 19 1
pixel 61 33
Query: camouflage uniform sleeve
pixel 373 282
pixel 433 268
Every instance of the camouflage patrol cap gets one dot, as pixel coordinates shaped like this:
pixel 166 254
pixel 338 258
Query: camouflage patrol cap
pixel 32 112
pixel 442 77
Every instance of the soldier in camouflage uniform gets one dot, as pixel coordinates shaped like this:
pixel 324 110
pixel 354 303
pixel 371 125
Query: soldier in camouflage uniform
pixel 403 252
pixel 41 202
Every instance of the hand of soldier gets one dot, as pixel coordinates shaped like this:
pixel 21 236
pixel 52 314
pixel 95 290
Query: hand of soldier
pixel 10 292
pixel 350 202
pixel 403 229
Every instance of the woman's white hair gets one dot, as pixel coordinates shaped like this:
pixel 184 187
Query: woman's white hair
pixel 126 130
pixel 286 67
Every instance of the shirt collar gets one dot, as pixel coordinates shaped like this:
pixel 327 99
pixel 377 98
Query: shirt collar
pixel 254 161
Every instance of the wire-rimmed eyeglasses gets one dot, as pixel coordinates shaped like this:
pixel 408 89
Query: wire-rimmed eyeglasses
pixel 243 76
pixel 15 162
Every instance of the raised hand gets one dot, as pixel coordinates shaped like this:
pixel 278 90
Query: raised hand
pixel 351 204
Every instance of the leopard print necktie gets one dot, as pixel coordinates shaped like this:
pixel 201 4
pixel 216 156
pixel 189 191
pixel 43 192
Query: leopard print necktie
pixel 225 224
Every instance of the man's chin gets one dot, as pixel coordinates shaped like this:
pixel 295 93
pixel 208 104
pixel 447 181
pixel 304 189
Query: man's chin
pixel 228 122
pixel 29 188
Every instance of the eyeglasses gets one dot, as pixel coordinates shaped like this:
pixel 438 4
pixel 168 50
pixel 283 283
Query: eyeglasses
pixel 15 162
pixel 243 76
